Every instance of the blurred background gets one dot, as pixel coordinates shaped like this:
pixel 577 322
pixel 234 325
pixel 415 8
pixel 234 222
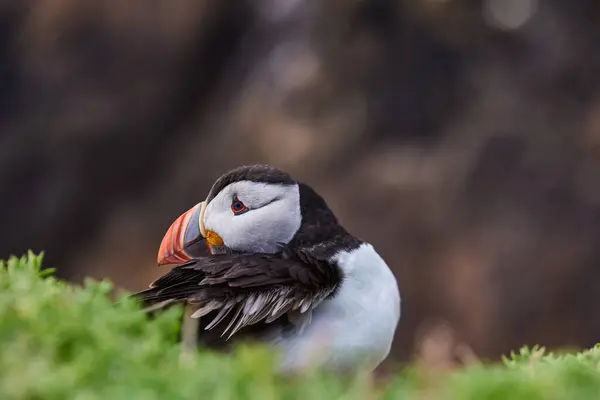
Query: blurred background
pixel 460 137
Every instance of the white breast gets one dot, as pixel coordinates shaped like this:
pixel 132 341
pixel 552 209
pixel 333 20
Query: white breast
pixel 355 328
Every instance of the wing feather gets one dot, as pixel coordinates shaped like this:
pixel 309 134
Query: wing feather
pixel 250 288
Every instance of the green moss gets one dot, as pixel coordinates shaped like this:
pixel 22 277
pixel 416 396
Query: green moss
pixel 66 342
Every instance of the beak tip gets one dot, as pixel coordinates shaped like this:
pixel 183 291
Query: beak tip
pixel 172 259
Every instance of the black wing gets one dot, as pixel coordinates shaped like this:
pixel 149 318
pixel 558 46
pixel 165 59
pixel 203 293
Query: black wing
pixel 249 288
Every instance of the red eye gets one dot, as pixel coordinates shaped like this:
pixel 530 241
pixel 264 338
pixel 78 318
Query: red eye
pixel 237 206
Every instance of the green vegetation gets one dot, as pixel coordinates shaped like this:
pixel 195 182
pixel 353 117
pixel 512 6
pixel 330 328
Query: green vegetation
pixel 65 342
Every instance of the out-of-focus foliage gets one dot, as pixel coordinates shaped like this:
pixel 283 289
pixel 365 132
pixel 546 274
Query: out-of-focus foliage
pixel 61 341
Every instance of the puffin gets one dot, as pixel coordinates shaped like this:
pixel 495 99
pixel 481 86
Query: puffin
pixel 263 258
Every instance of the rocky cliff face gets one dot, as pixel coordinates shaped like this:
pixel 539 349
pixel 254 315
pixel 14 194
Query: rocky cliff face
pixel 460 137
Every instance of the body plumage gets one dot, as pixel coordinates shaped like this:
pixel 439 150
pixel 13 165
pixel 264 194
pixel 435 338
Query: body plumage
pixel 278 267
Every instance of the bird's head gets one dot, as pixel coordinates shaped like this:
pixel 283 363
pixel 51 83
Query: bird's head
pixel 251 209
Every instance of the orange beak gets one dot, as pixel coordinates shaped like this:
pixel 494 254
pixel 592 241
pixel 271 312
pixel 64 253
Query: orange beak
pixel 184 240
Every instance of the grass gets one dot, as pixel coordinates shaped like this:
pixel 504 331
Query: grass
pixel 61 341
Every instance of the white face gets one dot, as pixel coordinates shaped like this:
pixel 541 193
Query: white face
pixel 272 216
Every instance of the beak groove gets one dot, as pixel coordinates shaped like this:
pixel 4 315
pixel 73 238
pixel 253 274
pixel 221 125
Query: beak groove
pixel 183 240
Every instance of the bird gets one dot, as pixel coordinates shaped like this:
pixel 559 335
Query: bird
pixel 263 258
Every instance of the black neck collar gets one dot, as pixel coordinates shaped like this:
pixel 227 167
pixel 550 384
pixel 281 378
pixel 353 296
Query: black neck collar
pixel 320 233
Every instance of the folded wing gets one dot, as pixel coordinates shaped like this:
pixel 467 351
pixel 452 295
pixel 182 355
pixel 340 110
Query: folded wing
pixel 246 288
